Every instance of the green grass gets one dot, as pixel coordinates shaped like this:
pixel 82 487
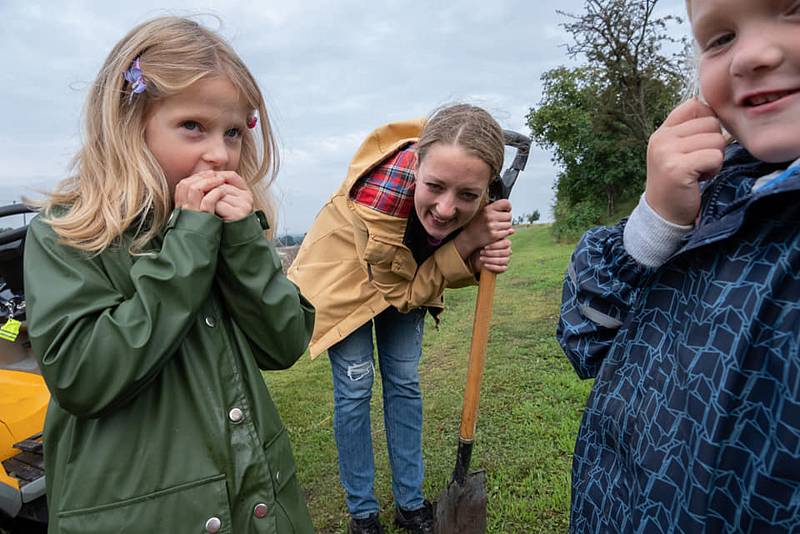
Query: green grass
pixel 531 402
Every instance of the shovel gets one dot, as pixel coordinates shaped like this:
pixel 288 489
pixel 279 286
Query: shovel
pixel 461 507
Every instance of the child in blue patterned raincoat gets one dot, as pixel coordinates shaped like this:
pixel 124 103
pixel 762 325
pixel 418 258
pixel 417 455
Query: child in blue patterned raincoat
pixel 688 314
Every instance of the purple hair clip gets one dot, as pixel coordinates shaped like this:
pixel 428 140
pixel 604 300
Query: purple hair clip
pixel 134 77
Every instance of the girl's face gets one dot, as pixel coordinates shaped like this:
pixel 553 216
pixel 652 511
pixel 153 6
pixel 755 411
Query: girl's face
pixel 199 129
pixel 450 183
pixel 750 71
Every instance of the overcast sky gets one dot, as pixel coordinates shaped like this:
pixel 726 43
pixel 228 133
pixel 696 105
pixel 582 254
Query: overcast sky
pixel 331 72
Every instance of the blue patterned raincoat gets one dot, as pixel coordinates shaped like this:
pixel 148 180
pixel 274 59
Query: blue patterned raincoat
pixel 693 423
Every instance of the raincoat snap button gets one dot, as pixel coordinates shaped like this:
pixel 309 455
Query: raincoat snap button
pixel 213 525
pixel 211 322
pixel 236 415
pixel 260 511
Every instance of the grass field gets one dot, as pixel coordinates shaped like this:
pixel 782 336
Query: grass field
pixel 531 402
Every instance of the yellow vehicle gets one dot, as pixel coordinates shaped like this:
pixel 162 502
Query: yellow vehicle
pixel 23 393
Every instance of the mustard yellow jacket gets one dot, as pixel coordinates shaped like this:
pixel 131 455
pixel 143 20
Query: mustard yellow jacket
pixel 353 263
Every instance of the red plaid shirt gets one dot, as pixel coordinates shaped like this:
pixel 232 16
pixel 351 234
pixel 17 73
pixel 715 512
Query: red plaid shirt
pixel 389 187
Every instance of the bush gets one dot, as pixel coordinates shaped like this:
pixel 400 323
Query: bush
pixel 573 221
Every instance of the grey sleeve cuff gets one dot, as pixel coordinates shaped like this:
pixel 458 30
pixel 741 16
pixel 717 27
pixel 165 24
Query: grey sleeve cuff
pixel 649 238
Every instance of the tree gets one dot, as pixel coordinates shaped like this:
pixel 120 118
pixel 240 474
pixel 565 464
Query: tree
pixel 622 41
pixel 533 217
pixel 597 118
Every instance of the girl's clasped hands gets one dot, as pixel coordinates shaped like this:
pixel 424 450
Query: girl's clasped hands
pixel 223 193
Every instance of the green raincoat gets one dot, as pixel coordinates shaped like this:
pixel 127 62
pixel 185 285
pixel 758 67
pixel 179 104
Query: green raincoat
pixel 160 420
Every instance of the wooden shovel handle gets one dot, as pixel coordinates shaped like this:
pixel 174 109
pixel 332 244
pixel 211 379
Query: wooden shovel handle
pixel 477 355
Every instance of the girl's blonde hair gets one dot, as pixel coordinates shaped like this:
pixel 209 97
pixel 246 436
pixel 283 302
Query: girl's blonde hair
pixel 117 183
pixel 470 127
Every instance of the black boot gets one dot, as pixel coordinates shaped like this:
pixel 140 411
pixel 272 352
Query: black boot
pixel 416 521
pixel 368 525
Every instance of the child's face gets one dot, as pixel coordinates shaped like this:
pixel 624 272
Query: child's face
pixel 449 185
pixel 750 71
pixel 199 129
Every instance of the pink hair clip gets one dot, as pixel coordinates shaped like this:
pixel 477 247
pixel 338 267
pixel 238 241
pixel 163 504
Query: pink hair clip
pixel 252 120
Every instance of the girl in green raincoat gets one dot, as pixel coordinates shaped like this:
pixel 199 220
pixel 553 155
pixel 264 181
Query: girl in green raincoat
pixel 155 300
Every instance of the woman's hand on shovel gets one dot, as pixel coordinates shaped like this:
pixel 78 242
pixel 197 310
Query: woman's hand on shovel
pixel 493 257
pixel 492 223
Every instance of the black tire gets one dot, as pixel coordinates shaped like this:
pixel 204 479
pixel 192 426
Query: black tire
pixel 32 519
pixel 23 526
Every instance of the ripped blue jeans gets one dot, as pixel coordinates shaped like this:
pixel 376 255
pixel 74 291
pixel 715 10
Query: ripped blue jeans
pixel 399 340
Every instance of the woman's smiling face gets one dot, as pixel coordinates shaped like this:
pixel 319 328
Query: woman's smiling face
pixel 450 183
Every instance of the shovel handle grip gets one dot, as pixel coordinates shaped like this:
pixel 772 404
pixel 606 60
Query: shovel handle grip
pixel 477 355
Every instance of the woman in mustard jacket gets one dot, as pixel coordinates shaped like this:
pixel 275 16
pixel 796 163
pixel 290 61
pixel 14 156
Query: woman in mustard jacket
pixel 409 220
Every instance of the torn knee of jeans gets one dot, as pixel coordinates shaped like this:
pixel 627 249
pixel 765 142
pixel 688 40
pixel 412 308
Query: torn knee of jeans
pixel 359 370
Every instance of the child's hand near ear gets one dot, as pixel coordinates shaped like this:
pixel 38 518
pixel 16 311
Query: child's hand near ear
pixel 686 149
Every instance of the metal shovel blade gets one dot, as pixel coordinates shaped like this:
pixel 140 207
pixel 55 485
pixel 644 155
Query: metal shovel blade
pixel 461 508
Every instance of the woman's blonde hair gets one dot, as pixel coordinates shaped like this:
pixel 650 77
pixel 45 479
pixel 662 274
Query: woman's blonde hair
pixel 470 127
pixel 117 184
